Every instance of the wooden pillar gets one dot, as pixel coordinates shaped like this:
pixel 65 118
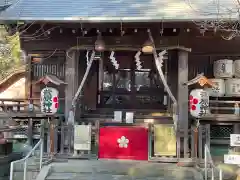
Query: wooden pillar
pixel 71 78
pixel 236 130
pixel 52 135
pixel 28 81
pixel 183 97
pixel 28 93
pixel 30 131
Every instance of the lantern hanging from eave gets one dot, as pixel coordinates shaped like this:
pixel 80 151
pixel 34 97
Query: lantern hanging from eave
pixel 49 101
pixel 199 103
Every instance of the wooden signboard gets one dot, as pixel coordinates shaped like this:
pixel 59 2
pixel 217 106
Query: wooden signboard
pixel 164 140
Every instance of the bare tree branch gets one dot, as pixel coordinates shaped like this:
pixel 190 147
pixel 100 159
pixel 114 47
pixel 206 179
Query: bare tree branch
pixel 220 23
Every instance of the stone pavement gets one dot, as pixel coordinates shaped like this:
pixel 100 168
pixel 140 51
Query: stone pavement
pixel 119 170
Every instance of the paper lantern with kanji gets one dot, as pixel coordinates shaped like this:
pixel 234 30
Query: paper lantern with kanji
pixel 49 101
pixel 199 103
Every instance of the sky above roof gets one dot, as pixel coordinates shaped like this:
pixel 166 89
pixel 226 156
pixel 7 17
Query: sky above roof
pixel 116 10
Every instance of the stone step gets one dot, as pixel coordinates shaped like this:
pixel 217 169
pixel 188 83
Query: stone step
pixel 89 167
pixel 88 176
pixel 61 176
pixel 31 175
pixel 33 161
pixel 105 170
pixel 30 166
pixel 4 178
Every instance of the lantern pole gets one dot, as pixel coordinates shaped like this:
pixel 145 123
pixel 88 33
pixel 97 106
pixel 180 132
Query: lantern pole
pixel 51 124
pixel 196 137
pixel 49 106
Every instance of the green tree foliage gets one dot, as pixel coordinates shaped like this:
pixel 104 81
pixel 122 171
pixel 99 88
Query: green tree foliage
pixel 9 52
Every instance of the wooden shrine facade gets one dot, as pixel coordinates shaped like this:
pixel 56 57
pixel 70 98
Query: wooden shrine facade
pixel 63 53
pixel 61 49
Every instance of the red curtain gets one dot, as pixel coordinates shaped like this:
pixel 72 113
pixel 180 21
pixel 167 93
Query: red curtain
pixel 123 143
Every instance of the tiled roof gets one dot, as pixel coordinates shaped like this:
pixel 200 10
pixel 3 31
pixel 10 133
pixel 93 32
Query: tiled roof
pixel 4 4
pixel 119 10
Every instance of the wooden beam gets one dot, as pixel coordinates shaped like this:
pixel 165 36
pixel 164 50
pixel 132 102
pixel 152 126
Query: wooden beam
pixel 121 43
pixel 198 45
pixel 100 25
pixel 119 48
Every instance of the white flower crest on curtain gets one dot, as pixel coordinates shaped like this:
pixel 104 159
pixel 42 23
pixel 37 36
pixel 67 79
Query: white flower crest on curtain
pixel 123 142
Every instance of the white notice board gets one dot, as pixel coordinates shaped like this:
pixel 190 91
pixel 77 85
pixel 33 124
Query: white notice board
pixel 82 137
pixel 231 159
pixel 117 116
pixel 235 140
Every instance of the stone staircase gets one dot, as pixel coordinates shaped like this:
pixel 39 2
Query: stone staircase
pixel 33 169
pixel 5 162
pixel 117 169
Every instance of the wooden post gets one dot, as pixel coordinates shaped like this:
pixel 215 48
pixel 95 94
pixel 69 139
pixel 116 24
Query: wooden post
pixel 62 138
pixel 52 132
pixel 183 96
pixel 42 132
pixel 30 131
pixel 71 78
pixel 28 93
pixel 207 135
pixel 199 142
pixel 193 152
pixel 28 82
pixel 97 129
pixel 236 130
pixel 56 128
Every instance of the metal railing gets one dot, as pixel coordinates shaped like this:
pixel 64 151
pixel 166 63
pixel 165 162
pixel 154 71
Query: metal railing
pixel 25 161
pixel 208 163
